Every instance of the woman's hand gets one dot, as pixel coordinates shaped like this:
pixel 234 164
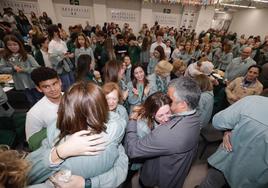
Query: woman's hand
pixel 75 181
pixel 125 94
pixel 17 68
pixel 81 144
pixel 147 90
pixel 227 141
pixel 135 91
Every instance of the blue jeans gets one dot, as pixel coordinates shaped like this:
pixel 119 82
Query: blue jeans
pixel 67 80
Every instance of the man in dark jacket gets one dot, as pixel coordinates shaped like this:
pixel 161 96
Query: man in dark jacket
pixel 169 149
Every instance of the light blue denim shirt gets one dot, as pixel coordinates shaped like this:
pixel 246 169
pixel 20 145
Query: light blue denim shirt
pixel 246 166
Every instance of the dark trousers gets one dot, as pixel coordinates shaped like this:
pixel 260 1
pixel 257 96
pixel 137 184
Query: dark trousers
pixel 214 179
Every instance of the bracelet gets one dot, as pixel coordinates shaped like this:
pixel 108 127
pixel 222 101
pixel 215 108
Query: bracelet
pixel 58 155
pixel 88 183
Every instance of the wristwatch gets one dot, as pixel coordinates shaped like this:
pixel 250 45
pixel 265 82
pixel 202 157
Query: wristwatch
pixel 88 183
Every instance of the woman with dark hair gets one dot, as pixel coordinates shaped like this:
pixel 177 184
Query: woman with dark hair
pixel 85 70
pixel 195 50
pixel 145 52
pixel 34 19
pixel 45 20
pixel 17 62
pixel 60 57
pixel 83 107
pixel 152 113
pixel 225 58
pixel 114 72
pixel 106 53
pixel 23 23
pixel 158 55
pixel 139 88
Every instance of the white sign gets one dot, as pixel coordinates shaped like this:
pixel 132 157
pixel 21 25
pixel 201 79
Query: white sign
pixel 166 19
pixel 122 15
pixel 189 17
pixel 74 11
pixel 26 7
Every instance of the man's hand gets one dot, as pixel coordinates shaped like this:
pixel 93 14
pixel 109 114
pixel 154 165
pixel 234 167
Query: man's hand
pixel 227 141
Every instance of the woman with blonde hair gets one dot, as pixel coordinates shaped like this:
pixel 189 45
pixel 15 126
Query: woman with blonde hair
pixel 159 80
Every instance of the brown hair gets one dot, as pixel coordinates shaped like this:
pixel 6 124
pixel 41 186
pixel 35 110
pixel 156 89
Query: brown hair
pixel 87 43
pixel 8 53
pixel 178 65
pixel 204 82
pixel 134 79
pixel 13 168
pixel 109 87
pixel 108 46
pixel 83 106
pixel 149 108
pixel 161 51
pixel 110 71
pixel 227 47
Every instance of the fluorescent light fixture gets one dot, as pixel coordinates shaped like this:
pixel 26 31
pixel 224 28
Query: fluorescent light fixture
pixel 238 6
pixel 260 1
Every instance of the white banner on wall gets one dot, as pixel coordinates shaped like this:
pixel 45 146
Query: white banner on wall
pixel 189 17
pixel 170 20
pixel 74 11
pixel 26 7
pixel 123 15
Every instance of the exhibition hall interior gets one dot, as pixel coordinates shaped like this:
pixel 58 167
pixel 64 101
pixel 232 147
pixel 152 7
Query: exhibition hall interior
pixel 133 93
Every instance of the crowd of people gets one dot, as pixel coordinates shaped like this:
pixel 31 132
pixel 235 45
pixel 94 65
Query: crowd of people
pixel 107 104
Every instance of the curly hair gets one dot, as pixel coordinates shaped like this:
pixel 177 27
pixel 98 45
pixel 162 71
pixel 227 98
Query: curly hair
pixel 13 168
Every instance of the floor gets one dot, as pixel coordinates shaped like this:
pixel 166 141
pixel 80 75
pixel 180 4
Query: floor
pixel 199 168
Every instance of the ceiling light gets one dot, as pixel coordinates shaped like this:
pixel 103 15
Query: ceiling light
pixel 261 1
pixel 238 6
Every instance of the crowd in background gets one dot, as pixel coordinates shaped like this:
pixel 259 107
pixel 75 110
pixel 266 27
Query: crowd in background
pixel 131 72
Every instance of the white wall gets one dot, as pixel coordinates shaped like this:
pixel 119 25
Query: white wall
pixel 204 19
pixel 125 7
pixel 250 22
pixel 72 20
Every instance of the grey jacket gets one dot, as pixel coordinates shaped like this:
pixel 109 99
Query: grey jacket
pixel 238 67
pixel 168 150
pixel 22 80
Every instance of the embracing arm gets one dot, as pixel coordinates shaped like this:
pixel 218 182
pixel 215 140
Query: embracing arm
pixel 115 176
